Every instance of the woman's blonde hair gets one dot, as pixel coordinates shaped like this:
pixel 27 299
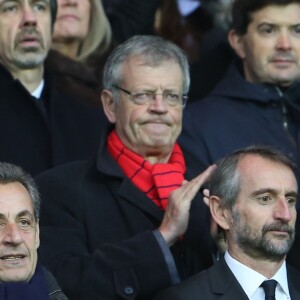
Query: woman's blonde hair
pixel 99 34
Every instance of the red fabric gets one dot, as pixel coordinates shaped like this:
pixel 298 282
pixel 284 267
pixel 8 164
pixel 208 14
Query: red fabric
pixel 156 181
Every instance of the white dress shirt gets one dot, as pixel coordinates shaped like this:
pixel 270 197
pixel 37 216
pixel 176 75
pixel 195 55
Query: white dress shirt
pixel 38 91
pixel 251 280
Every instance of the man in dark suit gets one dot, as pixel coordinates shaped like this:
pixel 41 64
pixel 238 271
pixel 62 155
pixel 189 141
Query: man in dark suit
pixel 123 225
pixel 253 198
pixel 258 99
pixel 21 274
pixel 42 124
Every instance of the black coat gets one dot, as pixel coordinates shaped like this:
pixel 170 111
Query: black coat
pixel 238 114
pixel 131 17
pixel 96 233
pixel 37 141
pixel 218 282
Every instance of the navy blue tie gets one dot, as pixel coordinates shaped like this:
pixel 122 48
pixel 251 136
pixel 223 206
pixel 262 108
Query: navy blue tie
pixel 269 287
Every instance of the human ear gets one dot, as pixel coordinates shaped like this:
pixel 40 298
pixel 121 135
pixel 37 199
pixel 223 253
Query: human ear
pixel 109 105
pixel 236 41
pixel 218 212
pixel 37 234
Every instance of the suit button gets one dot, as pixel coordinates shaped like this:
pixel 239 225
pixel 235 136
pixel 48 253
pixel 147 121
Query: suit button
pixel 128 290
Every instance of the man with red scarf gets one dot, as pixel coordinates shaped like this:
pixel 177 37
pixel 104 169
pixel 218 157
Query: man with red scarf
pixel 131 221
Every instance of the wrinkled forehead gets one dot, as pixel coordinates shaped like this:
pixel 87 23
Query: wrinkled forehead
pixel 139 69
pixel 14 199
pixel 258 172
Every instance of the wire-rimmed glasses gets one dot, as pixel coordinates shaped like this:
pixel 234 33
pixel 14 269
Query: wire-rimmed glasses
pixel 143 97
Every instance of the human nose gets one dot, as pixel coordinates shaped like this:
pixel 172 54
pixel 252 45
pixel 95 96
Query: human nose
pixel 283 210
pixel 283 41
pixel 12 234
pixel 29 17
pixel 158 104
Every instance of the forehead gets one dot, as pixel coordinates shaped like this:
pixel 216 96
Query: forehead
pixel 138 71
pixel 14 198
pixel 257 173
pixel 277 14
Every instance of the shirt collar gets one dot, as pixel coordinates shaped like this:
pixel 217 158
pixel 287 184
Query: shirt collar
pixel 38 91
pixel 251 280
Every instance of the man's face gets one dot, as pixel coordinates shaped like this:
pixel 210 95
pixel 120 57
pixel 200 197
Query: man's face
pixel 270 49
pixel 150 129
pixel 263 218
pixel 25 33
pixel 72 21
pixel 19 234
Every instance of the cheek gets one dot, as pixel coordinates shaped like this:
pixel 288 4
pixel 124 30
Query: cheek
pixel 130 115
pixel 47 37
pixel 58 28
pixel 176 117
pixel 6 39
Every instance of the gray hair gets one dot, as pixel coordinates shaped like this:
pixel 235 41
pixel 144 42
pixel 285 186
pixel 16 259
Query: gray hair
pixel 10 173
pixel 153 49
pixel 225 180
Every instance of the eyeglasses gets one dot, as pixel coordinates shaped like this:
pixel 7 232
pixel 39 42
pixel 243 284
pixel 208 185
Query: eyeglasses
pixel 144 97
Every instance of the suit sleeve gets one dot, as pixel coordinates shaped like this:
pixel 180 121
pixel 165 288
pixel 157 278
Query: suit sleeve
pixel 132 268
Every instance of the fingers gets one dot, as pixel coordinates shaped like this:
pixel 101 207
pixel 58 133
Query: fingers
pixel 206 196
pixel 206 193
pixel 176 217
pixel 190 188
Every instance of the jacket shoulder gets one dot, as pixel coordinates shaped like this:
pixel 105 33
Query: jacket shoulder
pixel 55 292
pixel 190 289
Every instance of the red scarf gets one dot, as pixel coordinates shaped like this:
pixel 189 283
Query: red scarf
pixel 156 181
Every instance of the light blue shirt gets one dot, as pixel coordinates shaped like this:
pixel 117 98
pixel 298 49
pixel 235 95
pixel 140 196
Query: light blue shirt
pixel 186 7
pixel 251 280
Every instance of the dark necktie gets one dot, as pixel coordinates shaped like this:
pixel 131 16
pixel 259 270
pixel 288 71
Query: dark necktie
pixel 269 287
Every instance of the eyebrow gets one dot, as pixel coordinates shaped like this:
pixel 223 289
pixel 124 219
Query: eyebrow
pixel 274 192
pixel 22 213
pixel 18 1
pixel 4 1
pixel 274 24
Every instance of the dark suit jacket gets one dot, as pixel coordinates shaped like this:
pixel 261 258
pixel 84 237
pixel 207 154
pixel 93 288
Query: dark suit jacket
pixel 218 282
pixel 35 141
pixel 96 233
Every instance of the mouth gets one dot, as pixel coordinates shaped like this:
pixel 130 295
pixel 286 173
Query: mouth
pixel 12 257
pixel 287 61
pixel 29 41
pixel 281 234
pixel 279 231
pixel 68 17
pixel 156 122
pixel 282 61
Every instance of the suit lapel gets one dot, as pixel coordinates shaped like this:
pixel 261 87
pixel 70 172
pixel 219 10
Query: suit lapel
pixel 224 283
pixel 129 192
pixel 294 283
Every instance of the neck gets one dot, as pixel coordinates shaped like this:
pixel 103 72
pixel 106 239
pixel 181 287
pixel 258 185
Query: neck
pixel 154 156
pixel 266 267
pixel 158 159
pixel 30 78
pixel 69 49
